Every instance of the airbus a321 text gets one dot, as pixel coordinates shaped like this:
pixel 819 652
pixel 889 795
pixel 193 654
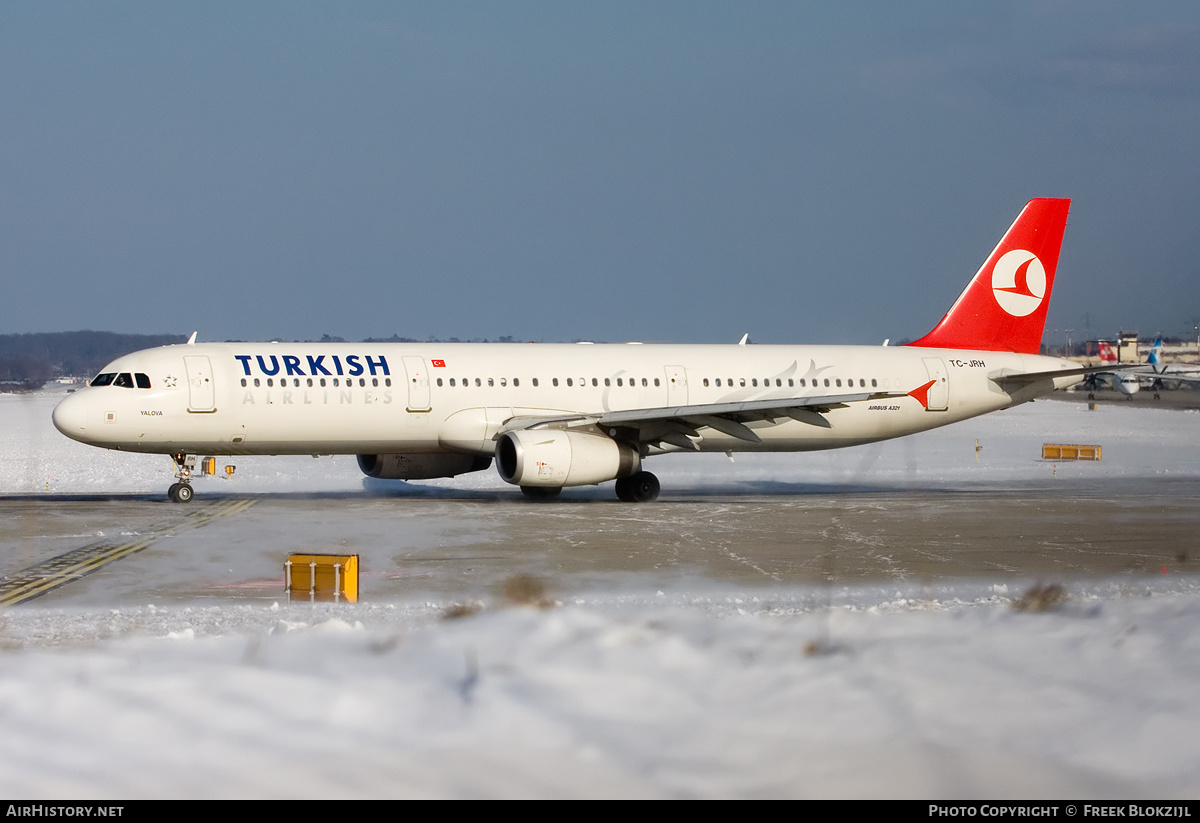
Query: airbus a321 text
pixel 553 415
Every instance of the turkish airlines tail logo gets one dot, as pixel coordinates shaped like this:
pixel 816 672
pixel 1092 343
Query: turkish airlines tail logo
pixel 1003 308
pixel 1019 282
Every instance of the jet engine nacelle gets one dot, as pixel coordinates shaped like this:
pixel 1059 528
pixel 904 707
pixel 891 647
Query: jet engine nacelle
pixel 420 466
pixel 553 457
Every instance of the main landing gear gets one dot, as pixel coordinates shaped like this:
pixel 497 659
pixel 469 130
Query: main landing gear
pixel 639 487
pixel 182 492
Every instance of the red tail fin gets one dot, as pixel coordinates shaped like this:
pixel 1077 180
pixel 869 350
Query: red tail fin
pixel 1004 306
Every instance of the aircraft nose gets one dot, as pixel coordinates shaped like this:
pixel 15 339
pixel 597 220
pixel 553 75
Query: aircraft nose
pixel 70 416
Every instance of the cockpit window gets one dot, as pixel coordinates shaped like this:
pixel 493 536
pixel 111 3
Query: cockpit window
pixel 125 380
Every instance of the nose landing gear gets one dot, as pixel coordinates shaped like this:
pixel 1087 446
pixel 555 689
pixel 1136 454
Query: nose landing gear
pixel 182 492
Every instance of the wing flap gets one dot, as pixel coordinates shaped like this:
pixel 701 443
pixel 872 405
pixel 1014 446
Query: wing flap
pixel 679 425
pixel 724 425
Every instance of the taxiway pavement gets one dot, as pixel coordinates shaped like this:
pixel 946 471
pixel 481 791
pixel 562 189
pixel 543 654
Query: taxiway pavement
pixel 465 548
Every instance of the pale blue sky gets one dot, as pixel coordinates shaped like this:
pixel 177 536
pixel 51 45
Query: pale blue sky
pixel 804 172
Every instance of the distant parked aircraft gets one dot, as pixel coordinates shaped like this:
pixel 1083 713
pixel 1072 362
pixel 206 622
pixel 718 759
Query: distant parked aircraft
pixel 1123 380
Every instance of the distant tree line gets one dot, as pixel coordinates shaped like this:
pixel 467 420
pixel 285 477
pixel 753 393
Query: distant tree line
pixel 395 338
pixel 28 361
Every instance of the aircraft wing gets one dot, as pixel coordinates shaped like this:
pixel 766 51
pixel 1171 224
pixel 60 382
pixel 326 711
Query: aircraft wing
pixel 1172 376
pixel 677 425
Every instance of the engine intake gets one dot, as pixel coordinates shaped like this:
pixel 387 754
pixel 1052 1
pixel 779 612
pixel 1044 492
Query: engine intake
pixel 553 457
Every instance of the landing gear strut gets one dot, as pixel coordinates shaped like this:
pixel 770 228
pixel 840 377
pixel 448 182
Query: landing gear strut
pixel 182 492
pixel 639 487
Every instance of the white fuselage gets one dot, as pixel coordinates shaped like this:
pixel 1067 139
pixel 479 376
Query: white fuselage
pixel 388 398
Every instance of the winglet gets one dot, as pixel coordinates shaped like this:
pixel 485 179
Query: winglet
pixel 921 393
pixel 192 340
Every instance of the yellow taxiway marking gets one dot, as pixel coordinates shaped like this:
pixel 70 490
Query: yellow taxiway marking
pixel 58 571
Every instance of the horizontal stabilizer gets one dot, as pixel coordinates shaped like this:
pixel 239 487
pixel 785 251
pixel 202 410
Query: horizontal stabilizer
pixel 1007 376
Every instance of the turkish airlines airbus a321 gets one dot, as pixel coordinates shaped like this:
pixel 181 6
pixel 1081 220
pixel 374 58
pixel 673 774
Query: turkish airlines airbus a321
pixel 580 414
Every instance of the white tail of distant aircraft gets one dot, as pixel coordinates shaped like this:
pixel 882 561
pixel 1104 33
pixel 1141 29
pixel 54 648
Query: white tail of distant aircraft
pixel 580 414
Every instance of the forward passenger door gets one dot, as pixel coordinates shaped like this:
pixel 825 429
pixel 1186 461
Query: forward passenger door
pixel 202 394
pixel 417 372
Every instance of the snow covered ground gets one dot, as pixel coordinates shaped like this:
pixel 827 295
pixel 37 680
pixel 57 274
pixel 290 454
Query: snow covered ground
pixel 712 693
